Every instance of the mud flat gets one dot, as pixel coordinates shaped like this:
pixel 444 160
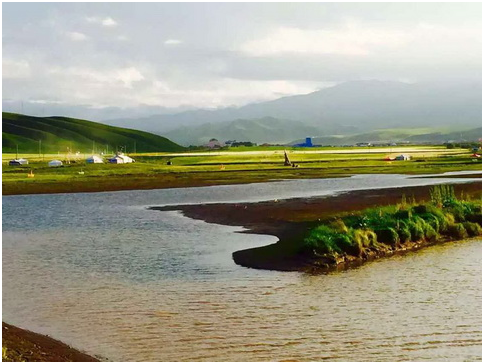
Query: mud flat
pixel 291 219
pixel 23 345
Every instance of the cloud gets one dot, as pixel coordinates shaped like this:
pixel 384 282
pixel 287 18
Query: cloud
pixel 89 77
pixel 105 22
pixel 173 42
pixel 76 36
pixel 109 22
pixel 351 40
pixel 12 69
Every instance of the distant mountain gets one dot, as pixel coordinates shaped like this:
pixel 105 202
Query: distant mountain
pixel 261 130
pixel 59 133
pixel 347 108
pixel 400 135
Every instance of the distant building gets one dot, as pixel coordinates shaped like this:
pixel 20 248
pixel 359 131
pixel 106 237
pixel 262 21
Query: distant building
pixel 94 159
pixel 402 157
pixel 308 143
pixel 214 144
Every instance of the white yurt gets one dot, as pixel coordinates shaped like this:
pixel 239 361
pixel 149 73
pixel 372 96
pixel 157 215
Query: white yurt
pixel 94 159
pixel 121 158
pixel 55 163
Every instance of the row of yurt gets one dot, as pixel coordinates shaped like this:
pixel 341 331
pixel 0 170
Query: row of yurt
pixel 119 158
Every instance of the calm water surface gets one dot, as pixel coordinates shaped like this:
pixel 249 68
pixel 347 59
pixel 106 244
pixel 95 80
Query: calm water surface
pixel 104 274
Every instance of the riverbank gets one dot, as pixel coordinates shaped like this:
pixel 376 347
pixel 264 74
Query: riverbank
pixel 290 220
pixel 210 169
pixel 23 345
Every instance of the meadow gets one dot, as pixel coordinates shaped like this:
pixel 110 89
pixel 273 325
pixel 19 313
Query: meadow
pixel 235 165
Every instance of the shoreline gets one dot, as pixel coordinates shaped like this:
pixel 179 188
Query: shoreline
pixel 25 345
pixel 289 220
pixel 186 179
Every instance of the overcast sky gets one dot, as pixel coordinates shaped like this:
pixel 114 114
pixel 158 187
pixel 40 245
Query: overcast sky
pixel 105 56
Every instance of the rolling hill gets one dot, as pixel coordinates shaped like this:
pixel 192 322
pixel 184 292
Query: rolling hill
pixel 57 134
pixel 253 130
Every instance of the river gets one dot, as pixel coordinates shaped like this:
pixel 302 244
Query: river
pixel 104 274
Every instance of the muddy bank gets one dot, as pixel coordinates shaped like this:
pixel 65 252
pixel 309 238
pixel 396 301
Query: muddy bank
pixel 290 220
pixel 24 345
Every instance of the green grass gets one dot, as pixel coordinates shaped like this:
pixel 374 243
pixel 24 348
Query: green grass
pixel 58 134
pixel 209 168
pixel 387 228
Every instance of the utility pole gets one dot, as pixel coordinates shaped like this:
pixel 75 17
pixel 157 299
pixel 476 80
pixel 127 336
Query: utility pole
pixel 16 155
pixel 40 148
pixel 135 147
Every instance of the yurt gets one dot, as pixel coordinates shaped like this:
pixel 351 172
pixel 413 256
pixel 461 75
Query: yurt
pixel 120 158
pixel 55 163
pixel 18 162
pixel 402 157
pixel 94 159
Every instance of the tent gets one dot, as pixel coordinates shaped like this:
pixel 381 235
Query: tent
pixel 94 159
pixel 55 163
pixel 18 162
pixel 402 157
pixel 121 158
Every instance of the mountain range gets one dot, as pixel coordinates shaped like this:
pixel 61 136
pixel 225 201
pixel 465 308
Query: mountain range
pixel 345 109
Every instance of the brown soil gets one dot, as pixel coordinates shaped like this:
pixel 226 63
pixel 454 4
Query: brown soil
pixel 290 219
pixel 24 345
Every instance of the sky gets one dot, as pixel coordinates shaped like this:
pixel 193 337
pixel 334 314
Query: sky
pixel 106 60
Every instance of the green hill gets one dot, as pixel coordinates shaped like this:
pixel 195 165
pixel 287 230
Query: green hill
pixel 57 134
pixel 260 130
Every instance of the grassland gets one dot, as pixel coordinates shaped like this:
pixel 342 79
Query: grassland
pixel 55 134
pixel 237 165
pixel 377 231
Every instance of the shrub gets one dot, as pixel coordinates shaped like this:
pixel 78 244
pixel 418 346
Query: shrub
pixel 339 226
pixel 416 230
pixel 457 231
pixel 404 233
pixel 473 228
pixel 403 214
pixel 387 236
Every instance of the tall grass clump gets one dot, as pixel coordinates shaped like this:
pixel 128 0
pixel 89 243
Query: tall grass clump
pixel 375 229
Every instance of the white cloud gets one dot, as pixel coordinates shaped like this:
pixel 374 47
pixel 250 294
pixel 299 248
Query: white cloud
pixel 350 40
pixel 12 69
pixel 88 77
pixel 106 22
pixel 76 36
pixel 173 42
pixel 353 39
pixel 109 22
pixel 128 76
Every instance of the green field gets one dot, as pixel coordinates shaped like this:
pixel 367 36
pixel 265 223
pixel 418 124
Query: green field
pixel 224 167
pixel 31 134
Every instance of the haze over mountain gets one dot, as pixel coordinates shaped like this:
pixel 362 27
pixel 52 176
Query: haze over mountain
pixel 420 135
pixel 347 108
pixel 255 130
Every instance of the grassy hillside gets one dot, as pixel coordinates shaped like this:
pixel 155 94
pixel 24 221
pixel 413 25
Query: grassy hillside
pixel 260 130
pixel 416 135
pixel 57 134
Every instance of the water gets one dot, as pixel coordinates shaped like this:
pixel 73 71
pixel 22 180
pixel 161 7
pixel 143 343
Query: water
pixel 105 274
